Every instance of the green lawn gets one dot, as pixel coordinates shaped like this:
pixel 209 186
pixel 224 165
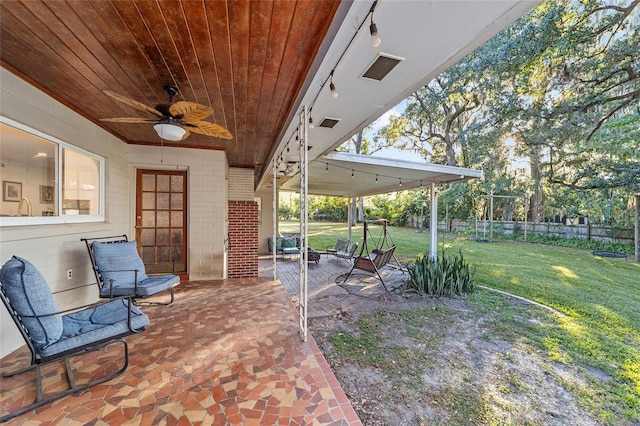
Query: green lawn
pixel 600 298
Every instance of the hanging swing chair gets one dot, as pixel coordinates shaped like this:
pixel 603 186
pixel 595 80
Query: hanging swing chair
pixel 373 261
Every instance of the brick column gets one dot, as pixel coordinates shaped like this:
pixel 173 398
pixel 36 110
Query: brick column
pixel 242 259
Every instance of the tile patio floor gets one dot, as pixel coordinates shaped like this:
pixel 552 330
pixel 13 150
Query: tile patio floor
pixel 225 352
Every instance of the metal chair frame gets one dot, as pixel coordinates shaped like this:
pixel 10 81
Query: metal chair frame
pixel 38 361
pixel 100 279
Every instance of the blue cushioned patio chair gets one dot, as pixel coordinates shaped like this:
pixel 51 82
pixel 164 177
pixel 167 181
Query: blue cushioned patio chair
pixel 53 335
pixel 119 270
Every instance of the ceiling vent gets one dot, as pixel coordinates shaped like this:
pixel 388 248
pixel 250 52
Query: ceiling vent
pixel 329 122
pixel 381 67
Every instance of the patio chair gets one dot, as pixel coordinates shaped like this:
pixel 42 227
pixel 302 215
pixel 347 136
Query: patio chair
pixel 119 270
pixel 373 263
pixel 347 255
pixel 53 335
pixel 341 246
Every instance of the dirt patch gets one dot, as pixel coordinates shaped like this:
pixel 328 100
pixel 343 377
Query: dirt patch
pixel 448 361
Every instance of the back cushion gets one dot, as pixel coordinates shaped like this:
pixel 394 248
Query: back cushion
pixel 29 293
pixel 289 243
pixel 117 261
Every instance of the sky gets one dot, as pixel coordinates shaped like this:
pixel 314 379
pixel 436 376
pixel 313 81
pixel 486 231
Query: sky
pixel 393 153
pixel 396 154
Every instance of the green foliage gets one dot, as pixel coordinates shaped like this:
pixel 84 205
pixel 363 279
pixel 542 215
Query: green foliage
pixel 328 208
pixel 580 243
pixel 445 276
pixel 562 83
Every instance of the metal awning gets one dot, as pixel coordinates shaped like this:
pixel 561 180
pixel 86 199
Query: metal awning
pixel 342 174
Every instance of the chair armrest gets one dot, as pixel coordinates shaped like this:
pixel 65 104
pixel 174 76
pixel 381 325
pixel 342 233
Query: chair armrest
pixel 135 280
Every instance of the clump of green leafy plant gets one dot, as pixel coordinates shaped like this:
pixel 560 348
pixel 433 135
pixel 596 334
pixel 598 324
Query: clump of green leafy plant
pixel 446 276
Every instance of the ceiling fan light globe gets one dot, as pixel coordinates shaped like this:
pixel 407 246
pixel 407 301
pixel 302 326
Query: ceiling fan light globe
pixel 169 132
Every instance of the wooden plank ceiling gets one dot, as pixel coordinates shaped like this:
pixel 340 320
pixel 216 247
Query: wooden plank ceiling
pixel 245 59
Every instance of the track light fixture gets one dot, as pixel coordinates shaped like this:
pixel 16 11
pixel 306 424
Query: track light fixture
pixel 375 38
pixel 373 28
pixel 332 87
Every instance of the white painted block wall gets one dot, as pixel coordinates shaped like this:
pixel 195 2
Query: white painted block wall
pixel 207 175
pixel 56 248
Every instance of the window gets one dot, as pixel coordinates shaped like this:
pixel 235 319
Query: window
pixel 47 181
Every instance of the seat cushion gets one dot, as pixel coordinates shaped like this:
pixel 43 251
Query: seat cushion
pixel 117 261
pixel 96 324
pixel 153 284
pixel 30 295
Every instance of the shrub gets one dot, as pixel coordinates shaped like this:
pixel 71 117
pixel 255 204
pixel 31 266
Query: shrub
pixel 443 276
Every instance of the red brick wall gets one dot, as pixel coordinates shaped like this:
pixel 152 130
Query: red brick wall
pixel 242 259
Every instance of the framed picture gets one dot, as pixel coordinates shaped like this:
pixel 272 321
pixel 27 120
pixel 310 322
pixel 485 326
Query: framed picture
pixel 46 194
pixel 11 191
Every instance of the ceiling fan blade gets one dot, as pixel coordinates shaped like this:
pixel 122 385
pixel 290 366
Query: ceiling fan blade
pixel 132 103
pixel 191 112
pixel 129 120
pixel 209 129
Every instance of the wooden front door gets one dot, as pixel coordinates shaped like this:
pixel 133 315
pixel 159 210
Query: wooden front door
pixel 161 220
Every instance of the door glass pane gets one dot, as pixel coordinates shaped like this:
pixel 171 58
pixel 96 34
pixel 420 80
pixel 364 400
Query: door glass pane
pixel 176 236
pixel 149 218
pixel 176 253
pixel 176 201
pixel 162 237
pixel 163 183
pixel 148 183
pixel 163 219
pixel 163 200
pixel 148 200
pixel 176 219
pixel 163 254
pixel 148 254
pixel 177 184
pixel 148 237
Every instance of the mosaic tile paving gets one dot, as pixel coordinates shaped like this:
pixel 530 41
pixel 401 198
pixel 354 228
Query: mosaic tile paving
pixel 225 352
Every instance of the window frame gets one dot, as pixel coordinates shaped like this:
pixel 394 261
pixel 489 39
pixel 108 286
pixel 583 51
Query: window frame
pixel 60 218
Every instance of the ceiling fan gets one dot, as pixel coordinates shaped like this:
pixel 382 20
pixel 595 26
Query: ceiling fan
pixel 174 120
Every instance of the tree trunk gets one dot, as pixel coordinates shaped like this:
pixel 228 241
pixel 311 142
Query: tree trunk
pixel 536 205
pixel 451 153
pixel 637 232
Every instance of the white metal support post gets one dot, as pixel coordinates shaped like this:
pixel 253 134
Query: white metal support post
pixel 274 170
pixel 433 227
pixel 303 134
pixel 349 215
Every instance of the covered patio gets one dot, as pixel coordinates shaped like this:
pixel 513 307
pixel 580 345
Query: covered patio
pixel 228 351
